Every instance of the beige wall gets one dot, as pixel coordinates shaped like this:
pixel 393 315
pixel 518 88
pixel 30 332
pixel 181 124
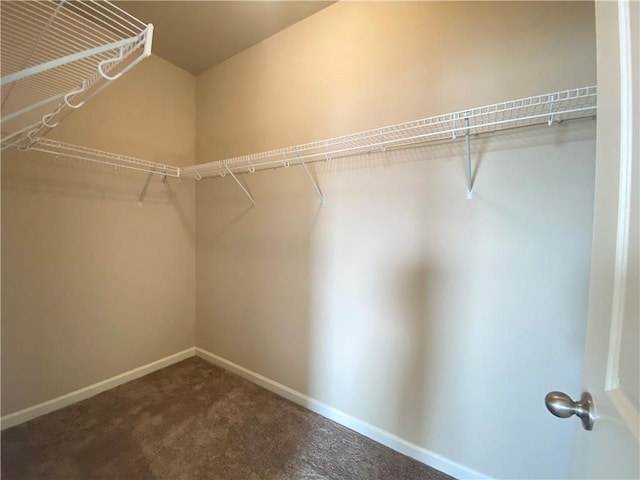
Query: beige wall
pixel 93 284
pixel 361 65
pixel 149 114
pixel 441 320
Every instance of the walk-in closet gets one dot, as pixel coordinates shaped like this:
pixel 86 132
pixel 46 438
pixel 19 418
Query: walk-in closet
pixel 329 240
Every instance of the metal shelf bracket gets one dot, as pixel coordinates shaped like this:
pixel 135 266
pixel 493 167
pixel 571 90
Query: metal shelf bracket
pixel 143 193
pixel 454 121
pixel 468 163
pixel 238 182
pixel 551 115
pixel 313 182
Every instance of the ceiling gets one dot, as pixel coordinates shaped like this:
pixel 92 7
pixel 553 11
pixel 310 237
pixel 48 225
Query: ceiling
pixel 196 35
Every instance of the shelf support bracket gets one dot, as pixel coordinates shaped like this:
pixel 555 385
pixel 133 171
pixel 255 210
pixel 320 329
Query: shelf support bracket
pixel 167 188
pixel 551 115
pixel 313 182
pixel 143 193
pixel 238 182
pixel 453 122
pixel 468 163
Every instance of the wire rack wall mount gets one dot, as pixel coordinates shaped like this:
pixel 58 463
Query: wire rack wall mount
pixel 56 54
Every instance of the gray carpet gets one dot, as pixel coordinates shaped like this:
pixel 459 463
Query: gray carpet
pixel 193 420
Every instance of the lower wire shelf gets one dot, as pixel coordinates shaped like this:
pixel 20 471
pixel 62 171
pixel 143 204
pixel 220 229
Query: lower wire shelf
pixel 548 108
pixel 69 150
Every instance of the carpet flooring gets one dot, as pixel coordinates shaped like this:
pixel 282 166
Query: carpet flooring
pixel 193 420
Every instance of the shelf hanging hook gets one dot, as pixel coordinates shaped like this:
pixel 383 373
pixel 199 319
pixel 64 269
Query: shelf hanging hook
pixel 74 93
pixel 197 175
pixel 31 134
pixel 31 140
pixel 46 118
pixel 49 116
pixel 111 60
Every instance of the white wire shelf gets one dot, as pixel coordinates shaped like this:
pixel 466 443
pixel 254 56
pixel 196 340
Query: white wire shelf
pixel 56 54
pixel 548 108
pixel 60 149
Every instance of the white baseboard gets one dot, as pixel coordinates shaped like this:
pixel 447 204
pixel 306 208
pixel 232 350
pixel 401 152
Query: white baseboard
pixel 381 436
pixel 30 413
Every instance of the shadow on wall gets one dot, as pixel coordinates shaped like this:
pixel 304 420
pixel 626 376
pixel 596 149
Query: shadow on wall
pixel 396 300
pixel 252 286
pixel 262 303
pixel 371 352
pixel 382 290
pixel 253 274
pixel 93 284
pixel 40 173
pixel 410 289
pixel 211 237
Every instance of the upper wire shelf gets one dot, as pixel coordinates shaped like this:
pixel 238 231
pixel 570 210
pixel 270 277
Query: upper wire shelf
pixel 56 54
pixel 548 108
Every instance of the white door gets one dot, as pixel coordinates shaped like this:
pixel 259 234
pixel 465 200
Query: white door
pixel 612 363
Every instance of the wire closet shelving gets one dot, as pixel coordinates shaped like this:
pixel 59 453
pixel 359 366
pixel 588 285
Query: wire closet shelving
pixel 61 149
pixel 549 108
pixel 57 54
